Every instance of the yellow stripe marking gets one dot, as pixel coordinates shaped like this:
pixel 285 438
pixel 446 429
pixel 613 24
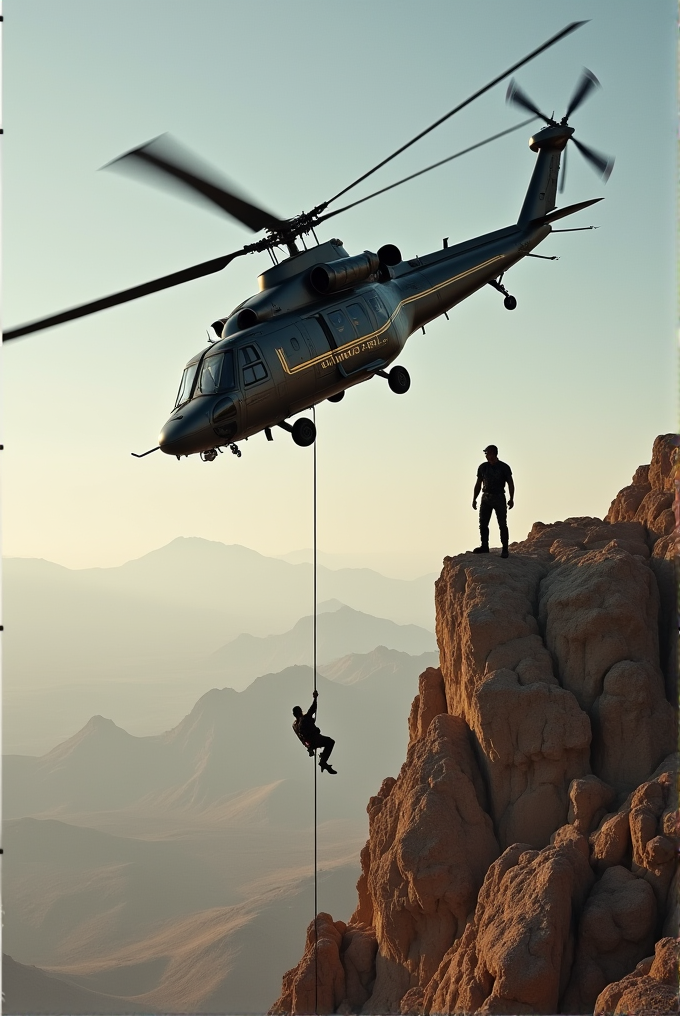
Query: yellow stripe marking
pixel 372 335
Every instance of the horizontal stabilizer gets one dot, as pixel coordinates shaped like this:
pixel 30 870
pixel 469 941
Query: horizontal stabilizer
pixel 559 213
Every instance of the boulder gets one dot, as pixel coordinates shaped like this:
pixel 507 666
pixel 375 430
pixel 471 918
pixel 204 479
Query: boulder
pixel 516 954
pixel 650 498
pixel 317 984
pixel 615 933
pixel 428 703
pixel 357 954
pixel 653 830
pixel 651 988
pixel 589 798
pixel 633 724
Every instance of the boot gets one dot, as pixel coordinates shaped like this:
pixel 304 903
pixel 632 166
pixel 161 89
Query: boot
pixel 484 549
pixel 505 552
pixel 325 768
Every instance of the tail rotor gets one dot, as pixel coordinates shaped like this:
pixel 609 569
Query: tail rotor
pixel 587 84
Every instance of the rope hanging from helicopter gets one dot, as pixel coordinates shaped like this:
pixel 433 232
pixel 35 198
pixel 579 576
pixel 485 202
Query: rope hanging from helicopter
pixel 314 641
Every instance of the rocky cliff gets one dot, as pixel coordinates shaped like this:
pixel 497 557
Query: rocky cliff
pixel 523 861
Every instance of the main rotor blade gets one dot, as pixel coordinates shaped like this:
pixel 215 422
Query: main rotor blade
pixel 586 85
pixel 427 169
pixel 601 163
pixel 531 56
pixel 516 97
pixel 165 282
pixel 166 161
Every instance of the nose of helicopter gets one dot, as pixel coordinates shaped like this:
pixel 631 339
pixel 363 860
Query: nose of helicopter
pixel 188 430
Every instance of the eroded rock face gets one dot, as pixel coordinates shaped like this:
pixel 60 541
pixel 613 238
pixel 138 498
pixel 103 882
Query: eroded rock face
pixel 532 738
pixel 430 845
pixel 599 610
pixel 546 735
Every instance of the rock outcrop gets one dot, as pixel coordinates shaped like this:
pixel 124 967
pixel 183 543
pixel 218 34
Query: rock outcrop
pixel 524 859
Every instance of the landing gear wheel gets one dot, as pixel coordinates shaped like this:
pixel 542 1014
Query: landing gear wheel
pixel 303 432
pixel 338 397
pixel 509 303
pixel 399 380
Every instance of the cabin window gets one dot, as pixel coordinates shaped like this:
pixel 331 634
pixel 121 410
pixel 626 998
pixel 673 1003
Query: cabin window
pixel 217 373
pixel 359 318
pixel 378 309
pixel 252 365
pixel 342 329
pixel 186 384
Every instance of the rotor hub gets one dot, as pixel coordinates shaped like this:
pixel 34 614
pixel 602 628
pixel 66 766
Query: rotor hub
pixel 555 136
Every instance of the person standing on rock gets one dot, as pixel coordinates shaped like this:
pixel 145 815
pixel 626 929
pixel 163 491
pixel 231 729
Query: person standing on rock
pixel 310 735
pixel 492 477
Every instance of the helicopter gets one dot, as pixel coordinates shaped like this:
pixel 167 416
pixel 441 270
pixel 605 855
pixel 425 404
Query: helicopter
pixel 325 320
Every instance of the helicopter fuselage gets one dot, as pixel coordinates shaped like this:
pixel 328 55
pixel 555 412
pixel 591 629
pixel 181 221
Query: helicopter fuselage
pixel 298 348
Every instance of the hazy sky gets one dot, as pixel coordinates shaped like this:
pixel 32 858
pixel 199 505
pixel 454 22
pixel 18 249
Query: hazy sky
pixel 292 100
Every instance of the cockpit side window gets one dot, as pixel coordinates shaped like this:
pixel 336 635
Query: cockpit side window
pixel 252 365
pixel 186 384
pixel 217 373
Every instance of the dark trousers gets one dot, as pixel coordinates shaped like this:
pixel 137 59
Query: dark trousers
pixel 487 506
pixel 327 743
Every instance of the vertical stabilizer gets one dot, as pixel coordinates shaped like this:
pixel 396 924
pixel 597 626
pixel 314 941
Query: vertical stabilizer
pixel 542 190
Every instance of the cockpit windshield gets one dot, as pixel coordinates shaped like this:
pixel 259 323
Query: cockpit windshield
pixel 217 373
pixel 184 393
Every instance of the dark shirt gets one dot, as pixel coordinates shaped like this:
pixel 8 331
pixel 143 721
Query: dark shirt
pixel 494 476
pixel 305 727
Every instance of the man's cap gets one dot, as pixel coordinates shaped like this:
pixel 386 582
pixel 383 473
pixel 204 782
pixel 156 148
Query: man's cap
pixel 491 448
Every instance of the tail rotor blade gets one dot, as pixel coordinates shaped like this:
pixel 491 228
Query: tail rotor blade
pixel 516 97
pixel 600 163
pixel 563 177
pixel 163 160
pixel 587 84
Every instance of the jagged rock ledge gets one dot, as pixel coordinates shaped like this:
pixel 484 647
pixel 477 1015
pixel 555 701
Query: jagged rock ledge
pixel 524 860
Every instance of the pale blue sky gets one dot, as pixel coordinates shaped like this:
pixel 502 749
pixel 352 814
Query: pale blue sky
pixel 293 100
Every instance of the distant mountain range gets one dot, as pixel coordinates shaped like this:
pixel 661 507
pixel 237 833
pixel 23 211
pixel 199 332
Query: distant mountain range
pixel 159 615
pixel 153 699
pixel 188 597
pixel 340 632
pixel 131 863
pixel 230 742
pixel 104 640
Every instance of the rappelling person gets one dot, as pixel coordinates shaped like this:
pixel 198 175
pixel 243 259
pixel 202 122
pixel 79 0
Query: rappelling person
pixel 310 735
pixel 492 477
